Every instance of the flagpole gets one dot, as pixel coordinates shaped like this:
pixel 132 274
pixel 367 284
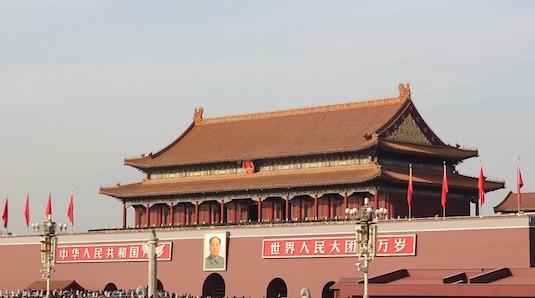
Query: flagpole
pixel 519 184
pixel 5 214
pixel 410 191
pixel 479 208
pixel 70 211
pixel 480 189
pixel 48 210
pixel 27 211
pixel 445 190
pixel 410 205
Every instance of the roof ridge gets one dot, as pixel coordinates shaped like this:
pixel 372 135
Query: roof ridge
pixel 296 111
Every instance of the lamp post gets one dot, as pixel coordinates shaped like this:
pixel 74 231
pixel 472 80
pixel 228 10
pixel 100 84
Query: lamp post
pixel 366 238
pixel 153 275
pixel 47 230
pixel 381 213
pixel 351 213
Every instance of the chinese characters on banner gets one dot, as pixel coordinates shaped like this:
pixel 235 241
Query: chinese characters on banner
pixel 114 252
pixel 399 245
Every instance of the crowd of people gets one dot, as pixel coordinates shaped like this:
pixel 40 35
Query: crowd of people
pixel 134 293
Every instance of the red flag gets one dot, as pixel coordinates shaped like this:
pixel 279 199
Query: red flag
pixel 519 184
pixel 410 189
pixel 481 186
pixel 4 214
pixel 48 211
pixel 70 211
pixel 445 188
pixel 27 210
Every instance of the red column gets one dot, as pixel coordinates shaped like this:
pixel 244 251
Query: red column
pixel 235 213
pixel 158 215
pixel 222 211
pixel 124 216
pixel 386 204
pixel 345 201
pixel 271 206
pixel 184 214
pixel 299 208
pixel 137 217
pixel 172 214
pixel 327 209
pixel 316 205
pixel 148 215
pixel 287 207
pixel 210 213
pixel 389 206
pixel 259 209
pixel 376 197
pixel 196 212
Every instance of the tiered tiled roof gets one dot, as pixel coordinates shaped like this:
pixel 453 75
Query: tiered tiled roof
pixel 337 128
pixel 391 124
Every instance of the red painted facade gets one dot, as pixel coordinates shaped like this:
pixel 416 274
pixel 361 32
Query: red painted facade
pixel 443 247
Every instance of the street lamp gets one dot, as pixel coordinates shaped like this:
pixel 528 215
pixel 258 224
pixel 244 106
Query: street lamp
pixel 49 241
pixel 351 213
pixel 381 213
pixel 366 238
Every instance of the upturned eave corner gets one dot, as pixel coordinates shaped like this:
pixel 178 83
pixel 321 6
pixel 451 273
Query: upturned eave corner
pixel 136 162
pixel 146 161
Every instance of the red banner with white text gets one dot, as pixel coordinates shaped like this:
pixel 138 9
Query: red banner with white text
pixel 399 245
pixel 111 252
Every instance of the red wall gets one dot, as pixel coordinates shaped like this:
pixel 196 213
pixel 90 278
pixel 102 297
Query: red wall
pixel 466 243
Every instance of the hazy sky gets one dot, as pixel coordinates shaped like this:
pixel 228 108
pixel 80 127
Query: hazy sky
pixel 84 84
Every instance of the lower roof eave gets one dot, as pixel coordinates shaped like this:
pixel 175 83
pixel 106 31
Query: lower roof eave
pixel 233 191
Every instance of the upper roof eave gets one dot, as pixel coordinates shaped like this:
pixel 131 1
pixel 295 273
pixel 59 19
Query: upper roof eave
pixel 446 151
pixel 144 158
pixel 145 165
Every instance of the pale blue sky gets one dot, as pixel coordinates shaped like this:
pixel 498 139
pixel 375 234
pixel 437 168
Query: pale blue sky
pixel 84 84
